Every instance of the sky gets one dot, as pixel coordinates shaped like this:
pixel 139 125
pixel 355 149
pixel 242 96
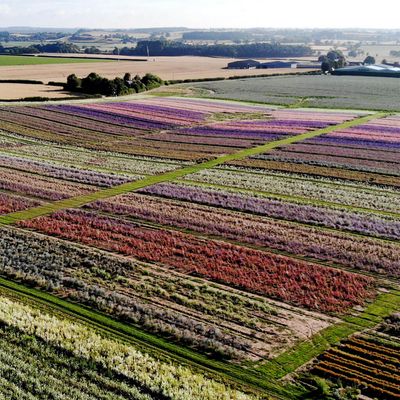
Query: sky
pixel 200 13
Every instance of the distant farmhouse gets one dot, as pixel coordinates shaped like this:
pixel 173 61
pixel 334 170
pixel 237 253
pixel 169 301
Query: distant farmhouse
pixel 369 70
pixel 253 64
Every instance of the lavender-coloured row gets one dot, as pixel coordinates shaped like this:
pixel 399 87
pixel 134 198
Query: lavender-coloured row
pixel 336 191
pixel 145 124
pixel 364 223
pixel 40 186
pixel 80 121
pixel 361 142
pixel 348 152
pixel 333 161
pixel 174 113
pixel 65 173
pixel 239 133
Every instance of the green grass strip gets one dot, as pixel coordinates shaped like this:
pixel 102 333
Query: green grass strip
pixel 173 175
pixel 383 306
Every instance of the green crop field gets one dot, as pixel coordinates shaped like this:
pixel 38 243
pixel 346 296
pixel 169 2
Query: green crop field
pixel 8 61
pixel 350 92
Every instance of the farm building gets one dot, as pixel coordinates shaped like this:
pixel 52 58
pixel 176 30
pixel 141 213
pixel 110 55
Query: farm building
pixel 369 70
pixel 243 64
pixel 278 64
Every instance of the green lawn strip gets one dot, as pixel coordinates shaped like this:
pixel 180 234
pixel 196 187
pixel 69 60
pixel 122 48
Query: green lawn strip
pixel 295 199
pixel 156 346
pixel 288 362
pixel 173 175
pixel 7 61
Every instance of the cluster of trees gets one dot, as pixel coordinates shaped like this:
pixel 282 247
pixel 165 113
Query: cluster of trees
pixel 96 84
pixel 59 47
pixel 170 48
pixel 335 59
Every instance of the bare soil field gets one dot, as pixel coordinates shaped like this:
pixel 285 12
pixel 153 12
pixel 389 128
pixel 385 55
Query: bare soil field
pixel 168 68
pixel 15 91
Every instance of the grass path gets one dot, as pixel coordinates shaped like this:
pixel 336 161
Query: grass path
pixel 79 201
pixel 384 305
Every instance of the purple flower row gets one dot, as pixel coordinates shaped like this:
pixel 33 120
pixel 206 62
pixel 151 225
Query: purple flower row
pixel 79 121
pixel 146 124
pixel 65 173
pixel 333 161
pixel 364 223
pixel 356 153
pixel 162 110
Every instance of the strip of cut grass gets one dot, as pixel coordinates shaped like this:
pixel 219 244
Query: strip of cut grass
pixel 8 61
pixel 173 175
pixel 383 306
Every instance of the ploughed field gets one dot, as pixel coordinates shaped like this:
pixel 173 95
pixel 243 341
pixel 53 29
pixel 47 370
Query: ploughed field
pixel 227 234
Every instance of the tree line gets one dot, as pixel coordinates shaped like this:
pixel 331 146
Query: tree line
pixel 59 47
pixel 171 48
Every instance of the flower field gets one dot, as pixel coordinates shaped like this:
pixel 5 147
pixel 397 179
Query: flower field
pixel 138 375
pixel 219 238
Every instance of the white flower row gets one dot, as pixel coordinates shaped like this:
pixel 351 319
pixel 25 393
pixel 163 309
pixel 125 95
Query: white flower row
pixel 175 381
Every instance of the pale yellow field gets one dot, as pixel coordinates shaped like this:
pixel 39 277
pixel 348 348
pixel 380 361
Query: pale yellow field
pixel 15 91
pixel 166 67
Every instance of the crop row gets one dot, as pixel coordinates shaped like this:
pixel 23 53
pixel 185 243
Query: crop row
pixel 53 113
pixel 297 282
pixel 32 369
pixel 42 187
pixel 167 379
pixel 364 223
pixel 159 113
pixel 10 203
pixel 320 171
pixel 204 106
pixel 72 157
pixel 356 195
pixel 65 173
pixel 353 252
pixel 359 360
pixel 335 161
pixel 358 153
pixel 214 320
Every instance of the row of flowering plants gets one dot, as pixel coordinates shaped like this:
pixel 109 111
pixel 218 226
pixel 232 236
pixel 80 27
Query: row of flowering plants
pixel 41 186
pixel 335 191
pixel 338 218
pixel 351 251
pixel 298 282
pixel 161 379
pixel 221 321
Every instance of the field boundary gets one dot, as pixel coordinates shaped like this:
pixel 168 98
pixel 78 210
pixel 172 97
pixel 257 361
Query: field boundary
pixel 288 362
pixel 102 194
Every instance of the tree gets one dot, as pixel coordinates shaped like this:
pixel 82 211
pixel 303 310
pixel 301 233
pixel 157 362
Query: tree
pixel 369 60
pixel 73 83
